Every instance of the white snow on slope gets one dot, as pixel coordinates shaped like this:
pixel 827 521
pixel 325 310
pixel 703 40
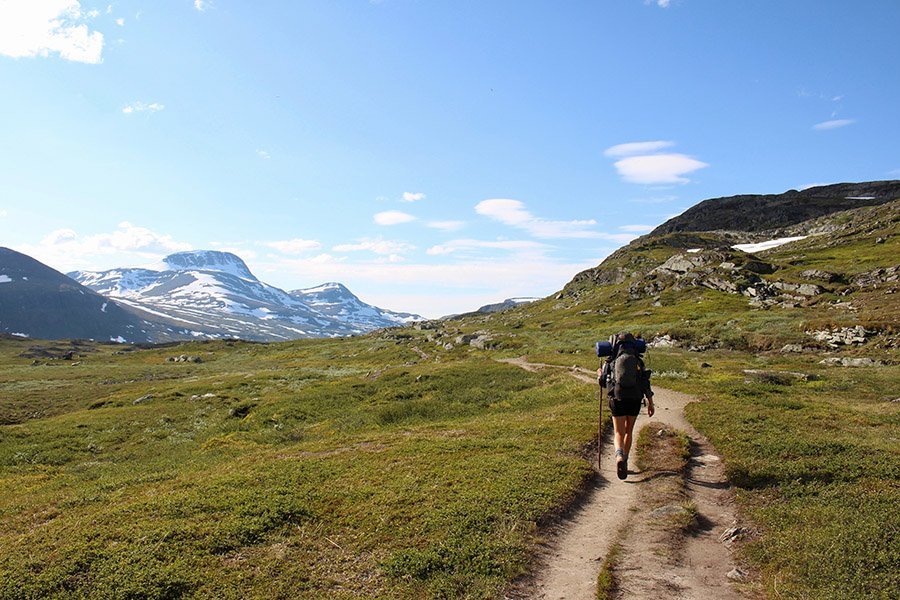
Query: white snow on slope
pixel 5 279
pixel 767 245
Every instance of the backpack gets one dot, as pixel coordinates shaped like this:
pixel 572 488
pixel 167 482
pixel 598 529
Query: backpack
pixel 625 375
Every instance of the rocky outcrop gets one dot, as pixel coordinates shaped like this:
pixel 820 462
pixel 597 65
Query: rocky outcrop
pixel 844 336
pixel 757 213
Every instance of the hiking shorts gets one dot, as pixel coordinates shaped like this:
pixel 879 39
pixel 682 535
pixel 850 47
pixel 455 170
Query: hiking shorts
pixel 624 408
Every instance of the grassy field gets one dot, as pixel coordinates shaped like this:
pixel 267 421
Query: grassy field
pixel 348 468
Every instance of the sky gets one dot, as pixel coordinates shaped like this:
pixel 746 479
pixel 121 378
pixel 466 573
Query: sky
pixel 433 156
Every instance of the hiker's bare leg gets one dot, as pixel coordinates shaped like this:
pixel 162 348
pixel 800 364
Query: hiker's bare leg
pixel 628 424
pixel 619 429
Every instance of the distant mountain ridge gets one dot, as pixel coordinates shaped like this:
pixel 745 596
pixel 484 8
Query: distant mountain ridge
pixel 210 294
pixel 40 302
pixel 758 213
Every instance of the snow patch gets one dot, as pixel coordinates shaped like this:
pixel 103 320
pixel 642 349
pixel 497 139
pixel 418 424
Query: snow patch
pixel 22 335
pixel 118 339
pixel 694 250
pixel 103 308
pixel 767 245
pixel 860 198
pixel 5 279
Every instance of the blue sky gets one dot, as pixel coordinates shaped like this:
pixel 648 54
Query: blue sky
pixel 432 155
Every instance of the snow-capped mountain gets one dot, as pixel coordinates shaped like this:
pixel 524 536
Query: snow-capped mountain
pixel 210 294
pixel 337 301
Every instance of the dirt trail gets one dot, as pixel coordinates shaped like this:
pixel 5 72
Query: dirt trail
pixel 573 553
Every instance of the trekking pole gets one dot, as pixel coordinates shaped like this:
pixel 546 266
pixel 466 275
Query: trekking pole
pixel 600 424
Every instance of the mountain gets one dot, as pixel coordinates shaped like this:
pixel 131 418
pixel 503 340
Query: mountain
pixel 40 302
pixel 506 304
pixel 756 213
pixel 335 300
pixel 211 294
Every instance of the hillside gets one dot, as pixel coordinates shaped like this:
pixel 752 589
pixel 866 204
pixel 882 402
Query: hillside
pixel 37 301
pixel 410 463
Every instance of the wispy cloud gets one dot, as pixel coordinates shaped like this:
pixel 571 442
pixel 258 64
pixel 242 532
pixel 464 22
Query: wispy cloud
pixel 295 246
pixel 378 246
pixel 636 148
pixel 65 249
pixel 468 244
pixel 3 213
pixel 446 225
pixel 833 124
pixel 263 154
pixel 392 217
pixel 514 214
pixel 642 162
pixel 654 169
pixel 134 107
pixel 413 196
pixel 30 28
pixel 201 5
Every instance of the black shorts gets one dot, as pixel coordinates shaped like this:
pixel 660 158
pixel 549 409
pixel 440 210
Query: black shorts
pixel 624 408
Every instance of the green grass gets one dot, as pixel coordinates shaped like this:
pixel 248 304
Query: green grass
pixel 336 468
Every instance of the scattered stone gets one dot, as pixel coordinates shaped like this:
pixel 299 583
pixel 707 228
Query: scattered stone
pixel 733 534
pixel 845 336
pixel 880 240
pixel 737 574
pixel 779 377
pixel 206 395
pixel 665 341
pixel 791 348
pixel 851 362
pixel 143 399
pixel 184 358
pixel 819 275
pixel 705 365
pixel 669 510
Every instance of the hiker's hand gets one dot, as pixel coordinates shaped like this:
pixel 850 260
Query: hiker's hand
pixel 650 409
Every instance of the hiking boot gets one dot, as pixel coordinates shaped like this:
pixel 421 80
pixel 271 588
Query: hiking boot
pixel 621 467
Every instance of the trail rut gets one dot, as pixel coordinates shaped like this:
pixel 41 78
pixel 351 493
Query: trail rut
pixel 573 551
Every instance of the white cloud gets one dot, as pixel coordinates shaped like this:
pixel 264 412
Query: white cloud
pixel 637 228
pixel 446 225
pixel 120 22
pixel 467 244
pixel 295 246
pixel 514 214
pixel 663 3
pixel 30 28
pixel 263 154
pixel 658 168
pixel 379 246
pixel 65 249
pixel 393 217
pixel 413 196
pixel 201 5
pixel 635 148
pixel 3 213
pixel 833 124
pixel 134 107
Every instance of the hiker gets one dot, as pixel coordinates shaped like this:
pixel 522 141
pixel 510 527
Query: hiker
pixel 627 382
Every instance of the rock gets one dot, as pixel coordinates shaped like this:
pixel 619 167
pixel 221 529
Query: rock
pixel 845 336
pixel 737 574
pixel 195 359
pixel 669 510
pixel 819 275
pixel 705 365
pixel 852 362
pixel 779 377
pixel 880 240
pixel 482 341
pixel 792 348
pixel 665 341
pixel 448 346
pixel 732 534
pixel 143 399
pixel 206 395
